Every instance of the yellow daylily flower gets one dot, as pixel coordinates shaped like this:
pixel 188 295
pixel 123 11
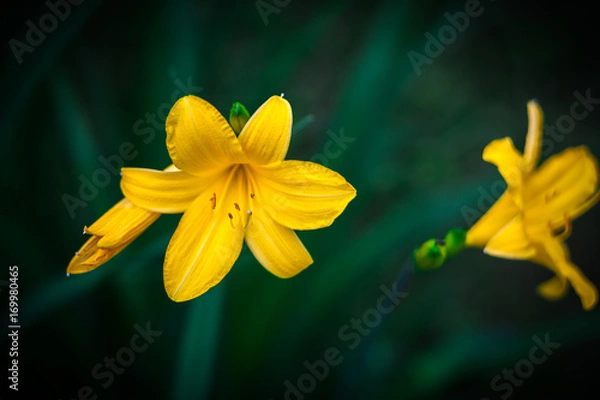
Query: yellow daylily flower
pixel 532 218
pixel 233 189
pixel 111 233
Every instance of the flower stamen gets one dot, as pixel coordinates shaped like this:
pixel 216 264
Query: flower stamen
pixel 249 212
pixel 213 200
pixel 567 229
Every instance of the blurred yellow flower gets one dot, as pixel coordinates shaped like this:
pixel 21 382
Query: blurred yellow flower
pixel 231 189
pixel 532 219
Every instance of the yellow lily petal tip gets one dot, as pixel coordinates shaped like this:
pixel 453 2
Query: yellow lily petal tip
pixel 553 289
pixel 534 106
pixel 589 304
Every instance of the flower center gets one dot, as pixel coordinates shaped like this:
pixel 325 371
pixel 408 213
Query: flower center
pixel 235 199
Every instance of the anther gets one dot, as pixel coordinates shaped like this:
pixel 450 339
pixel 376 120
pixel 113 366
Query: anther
pixel 567 228
pixel 251 195
pixel 237 206
pixel 248 220
pixel 230 216
pixel 213 200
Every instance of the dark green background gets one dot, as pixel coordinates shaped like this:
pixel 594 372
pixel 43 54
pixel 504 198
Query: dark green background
pixel 416 162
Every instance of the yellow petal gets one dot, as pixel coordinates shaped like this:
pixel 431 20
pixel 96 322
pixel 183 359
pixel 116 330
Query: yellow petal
pixel 554 289
pixel 161 191
pixel 511 242
pixel 266 136
pixel 533 142
pixel 171 167
pixel 559 255
pixel 502 153
pixel 276 247
pixel 301 195
pixel 199 137
pixel 90 256
pixel 121 224
pixel 501 213
pixel 561 186
pixel 576 212
pixel 207 241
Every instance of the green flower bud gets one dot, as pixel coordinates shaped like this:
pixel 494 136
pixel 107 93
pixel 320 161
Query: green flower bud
pixel 455 241
pixel 430 255
pixel 434 252
pixel 238 116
